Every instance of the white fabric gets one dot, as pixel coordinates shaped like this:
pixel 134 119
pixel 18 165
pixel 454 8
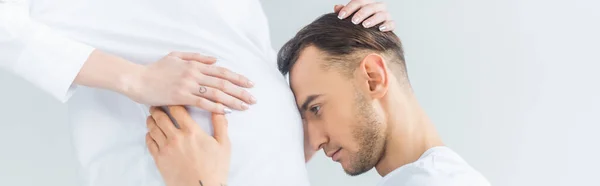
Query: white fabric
pixel 438 166
pixel 47 41
pixel 38 53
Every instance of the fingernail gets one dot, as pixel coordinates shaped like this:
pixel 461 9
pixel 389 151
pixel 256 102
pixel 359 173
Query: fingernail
pixel 250 83
pixel 252 99
pixel 355 20
pixel 382 28
pixel 244 106
pixel 227 110
pixel 342 14
pixel 366 24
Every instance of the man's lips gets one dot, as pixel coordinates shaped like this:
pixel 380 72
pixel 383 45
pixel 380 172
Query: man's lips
pixel 334 155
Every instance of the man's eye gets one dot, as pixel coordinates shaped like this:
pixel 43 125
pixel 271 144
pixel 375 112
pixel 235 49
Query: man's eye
pixel 315 110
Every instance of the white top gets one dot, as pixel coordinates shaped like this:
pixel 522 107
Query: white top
pixel 438 166
pixel 47 41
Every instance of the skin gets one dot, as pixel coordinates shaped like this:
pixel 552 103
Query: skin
pixel 368 12
pixel 189 163
pixel 175 79
pixel 181 154
pixel 369 120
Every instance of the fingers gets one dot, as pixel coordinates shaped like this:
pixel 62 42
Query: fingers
pixel 352 7
pixel 227 87
pixel 387 26
pixel 207 105
pixel 337 8
pixel 220 126
pixel 163 122
pixel 151 144
pixel 220 85
pixel 219 96
pixel 376 19
pixel 220 90
pixel 188 56
pixel 154 131
pixel 183 118
pixel 368 11
pixel 223 73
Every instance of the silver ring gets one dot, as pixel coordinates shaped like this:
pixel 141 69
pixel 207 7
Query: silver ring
pixel 202 89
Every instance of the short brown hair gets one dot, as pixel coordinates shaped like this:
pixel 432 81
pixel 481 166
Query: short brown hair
pixel 341 40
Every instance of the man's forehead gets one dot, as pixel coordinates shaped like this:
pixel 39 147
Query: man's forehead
pixel 307 66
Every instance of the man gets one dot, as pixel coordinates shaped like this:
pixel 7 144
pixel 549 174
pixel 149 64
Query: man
pixel 112 59
pixel 353 93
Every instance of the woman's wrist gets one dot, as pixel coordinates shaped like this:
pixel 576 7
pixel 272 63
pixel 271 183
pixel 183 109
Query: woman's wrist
pixel 130 81
pixel 106 71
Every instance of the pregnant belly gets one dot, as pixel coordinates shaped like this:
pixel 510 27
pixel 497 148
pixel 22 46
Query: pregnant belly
pixel 267 140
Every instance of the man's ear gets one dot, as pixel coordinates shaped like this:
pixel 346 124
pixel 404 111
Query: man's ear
pixel 374 70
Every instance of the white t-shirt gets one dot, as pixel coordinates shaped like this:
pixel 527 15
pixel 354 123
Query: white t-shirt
pixel 438 166
pixel 47 41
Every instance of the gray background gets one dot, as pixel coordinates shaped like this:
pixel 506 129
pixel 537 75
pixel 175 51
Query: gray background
pixel 511 85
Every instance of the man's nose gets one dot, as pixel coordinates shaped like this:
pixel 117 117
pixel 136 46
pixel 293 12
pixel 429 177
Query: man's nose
pixel 317 137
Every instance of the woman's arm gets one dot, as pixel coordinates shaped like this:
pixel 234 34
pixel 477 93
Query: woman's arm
pixel 57 64
pixel 38 53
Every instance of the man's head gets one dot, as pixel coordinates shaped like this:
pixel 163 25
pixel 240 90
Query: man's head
pixel 342 75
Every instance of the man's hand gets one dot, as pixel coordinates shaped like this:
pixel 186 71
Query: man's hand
pixel 188 156
pixel 368 12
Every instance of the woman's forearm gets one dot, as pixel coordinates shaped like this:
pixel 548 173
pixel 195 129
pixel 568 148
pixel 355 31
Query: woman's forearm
pixel 175 79
pixel 106 71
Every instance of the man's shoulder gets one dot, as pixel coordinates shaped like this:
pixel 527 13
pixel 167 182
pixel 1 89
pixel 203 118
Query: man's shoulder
pixel 436 167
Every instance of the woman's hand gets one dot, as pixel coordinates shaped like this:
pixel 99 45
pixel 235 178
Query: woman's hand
pixel 187 155
pixel 368 12
pixel 190 79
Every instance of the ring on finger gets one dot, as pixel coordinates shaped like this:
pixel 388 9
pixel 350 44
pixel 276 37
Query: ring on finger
pixel 202 89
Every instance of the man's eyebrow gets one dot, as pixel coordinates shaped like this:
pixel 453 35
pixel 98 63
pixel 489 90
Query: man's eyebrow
pixel 307 101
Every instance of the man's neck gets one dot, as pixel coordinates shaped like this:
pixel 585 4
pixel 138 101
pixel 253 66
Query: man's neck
pixel 409 133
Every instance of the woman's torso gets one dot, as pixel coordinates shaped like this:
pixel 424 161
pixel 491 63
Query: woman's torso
pixel 109 129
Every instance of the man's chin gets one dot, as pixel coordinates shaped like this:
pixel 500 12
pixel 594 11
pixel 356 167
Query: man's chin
pixel 355 171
